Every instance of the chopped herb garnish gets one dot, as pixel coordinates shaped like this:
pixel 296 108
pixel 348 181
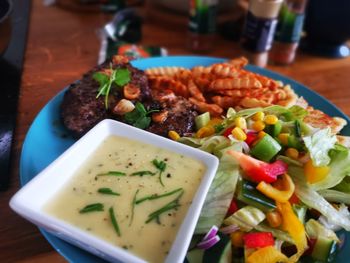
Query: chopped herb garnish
pixel 169 206
pixel 139 116
pixel 113 173
pixel 142 173
pixel 96 207
pixel 107 191
pixel 157 196
pixel 119 77
pixel 114 221
pixel 133 207
pixel 219 127
pixel 161 166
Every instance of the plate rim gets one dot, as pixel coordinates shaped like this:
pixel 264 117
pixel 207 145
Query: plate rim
pixel 71 256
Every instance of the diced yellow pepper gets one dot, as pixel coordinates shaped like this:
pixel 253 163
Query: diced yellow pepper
pixel 292 153
pixel 237 238
pixel 173 135
pixel 267 254
pixel 205 131
pixel 315 174
pixel 239 134
pixel 258 126
pixel 283 138
pixel 295 228
pixel 270 119
pixel 240 122
pixel 280 195
pixel 259 116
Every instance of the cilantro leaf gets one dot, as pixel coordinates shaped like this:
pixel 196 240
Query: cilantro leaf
pixel 139 116
pixel 122 77
pixel 119 77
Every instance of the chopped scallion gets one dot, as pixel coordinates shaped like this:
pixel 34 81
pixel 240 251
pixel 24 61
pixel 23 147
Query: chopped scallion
pixel 114 221
pixel 107 191
pixel 92 208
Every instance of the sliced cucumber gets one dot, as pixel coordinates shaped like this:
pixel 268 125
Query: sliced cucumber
pixel 324 249
pixel 202 120
pixel 248 194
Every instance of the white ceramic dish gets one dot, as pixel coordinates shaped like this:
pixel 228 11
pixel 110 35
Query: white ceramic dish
pixel 29 201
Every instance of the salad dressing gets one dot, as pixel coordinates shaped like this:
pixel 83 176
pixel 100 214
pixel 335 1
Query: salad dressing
pixel 126 168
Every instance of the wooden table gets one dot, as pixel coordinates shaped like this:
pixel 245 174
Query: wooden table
pixel 63 44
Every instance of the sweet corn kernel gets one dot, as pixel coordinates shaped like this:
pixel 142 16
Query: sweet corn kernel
pixel 259 116
pixel 261 134
pixel 283 138
pixel 205 131
pixel 239 134
pixel 274 218
pixel 270 119
pixel 237 238
pixel 292 153
pixel 240 122
pixel 258 125
pixel 173 135
pixel 315 174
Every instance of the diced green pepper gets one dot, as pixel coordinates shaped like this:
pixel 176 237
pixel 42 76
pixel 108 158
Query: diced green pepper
pixel 248 194
pixel 324 250
pixel 274 129
pixel 266 148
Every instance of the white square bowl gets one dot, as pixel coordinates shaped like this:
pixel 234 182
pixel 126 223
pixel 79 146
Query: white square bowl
pixel 30 200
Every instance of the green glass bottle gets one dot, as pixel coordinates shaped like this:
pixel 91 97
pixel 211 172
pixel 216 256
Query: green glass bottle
pixel 202 24
pixel 288 32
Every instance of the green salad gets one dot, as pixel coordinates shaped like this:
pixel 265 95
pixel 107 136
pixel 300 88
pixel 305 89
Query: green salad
pixel 280 193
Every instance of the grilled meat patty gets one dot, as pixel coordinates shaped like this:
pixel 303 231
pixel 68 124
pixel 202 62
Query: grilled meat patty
pixel 81 110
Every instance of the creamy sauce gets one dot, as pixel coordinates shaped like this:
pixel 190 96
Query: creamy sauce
pixel 150 241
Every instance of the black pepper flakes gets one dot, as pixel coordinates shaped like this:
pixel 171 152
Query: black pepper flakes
pixel 168 175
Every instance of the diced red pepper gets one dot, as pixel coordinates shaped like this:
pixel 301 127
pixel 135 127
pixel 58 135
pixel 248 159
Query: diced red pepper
pixel 233 208
pixel 228 132
pixel 251 137
pixel 258 170
pixel 294 199
pixel 258 240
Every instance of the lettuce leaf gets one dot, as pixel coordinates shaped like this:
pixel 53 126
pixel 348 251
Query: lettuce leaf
pixel 339 169
pixel 335 196
pixel 314 230
pixel 313 199
pixel 221 191
pixel 319 144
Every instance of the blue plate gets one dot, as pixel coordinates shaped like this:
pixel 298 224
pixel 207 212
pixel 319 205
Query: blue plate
pixel 47 139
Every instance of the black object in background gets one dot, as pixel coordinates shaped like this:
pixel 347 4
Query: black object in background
pixel 327 26
pixel 11 63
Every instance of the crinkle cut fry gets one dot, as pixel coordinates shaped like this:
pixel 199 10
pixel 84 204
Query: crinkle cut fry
pixel 202 107
pixel 195 92
pixel 160 83
pixel 163 71
pixel 234 83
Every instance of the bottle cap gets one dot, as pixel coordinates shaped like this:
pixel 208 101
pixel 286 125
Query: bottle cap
pixel 265 8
